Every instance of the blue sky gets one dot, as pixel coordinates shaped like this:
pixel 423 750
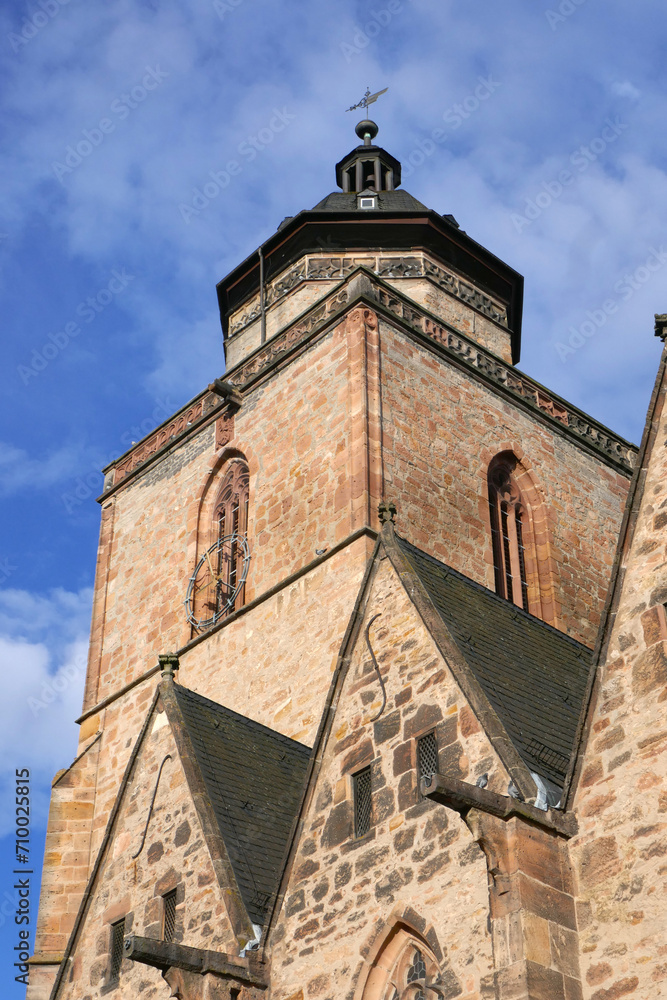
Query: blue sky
pixel 551 152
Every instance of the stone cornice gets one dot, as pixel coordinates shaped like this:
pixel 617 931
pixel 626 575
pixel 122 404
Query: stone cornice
pixel 209 405
pixel 363 286
pixel 580 426
pixel 316 267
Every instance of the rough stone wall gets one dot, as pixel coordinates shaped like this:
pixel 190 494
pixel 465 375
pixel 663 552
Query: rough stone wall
pixel 275 663
pixel 456 313
pixel 418 856
pixel 142 611
pixel 174 856
pixel 621 797
pixel 302 437
pixel 66 863
pixel 307 430
pixel 120 724
pixel 440 431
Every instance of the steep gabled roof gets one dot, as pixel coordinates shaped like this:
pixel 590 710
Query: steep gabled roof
pixel 533 675
pixel 254 779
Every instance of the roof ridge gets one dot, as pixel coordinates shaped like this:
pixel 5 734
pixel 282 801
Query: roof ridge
pixel 492 594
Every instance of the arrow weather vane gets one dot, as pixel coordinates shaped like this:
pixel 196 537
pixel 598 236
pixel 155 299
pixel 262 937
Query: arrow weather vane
pixel 368 98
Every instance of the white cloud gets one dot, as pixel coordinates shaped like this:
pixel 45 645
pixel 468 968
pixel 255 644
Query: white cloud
pixel 626 89
pixel 195 121
pixel 20 471
pixel 43 650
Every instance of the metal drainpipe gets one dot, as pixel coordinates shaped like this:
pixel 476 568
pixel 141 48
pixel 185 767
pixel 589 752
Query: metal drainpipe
pixel 262 306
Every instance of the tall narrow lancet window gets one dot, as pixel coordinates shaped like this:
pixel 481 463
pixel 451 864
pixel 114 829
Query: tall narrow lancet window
pixel 231 529
pixel 217 586
pixel 508 526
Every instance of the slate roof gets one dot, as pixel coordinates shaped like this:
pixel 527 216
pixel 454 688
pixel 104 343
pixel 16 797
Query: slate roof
pixel 254 778
pixel 388 201
pixel 533 675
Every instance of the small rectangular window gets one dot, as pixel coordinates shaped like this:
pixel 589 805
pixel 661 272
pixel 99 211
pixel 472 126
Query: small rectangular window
pixel 362 802
pixel 367 203
pixel 117 935
pixel 169 916
pixel 427 756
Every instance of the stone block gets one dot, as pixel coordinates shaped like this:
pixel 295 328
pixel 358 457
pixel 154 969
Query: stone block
pixel 598 862
pixel 649 670
pixel 564 950
pixel 544 984
pixel 536 939
pixel 547 902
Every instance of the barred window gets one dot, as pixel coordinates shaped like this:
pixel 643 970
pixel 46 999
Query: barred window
pixel 217 586
pixel 117 935
pixel 427 756
pixel 231 516
pixel 169 916
pixel 362 802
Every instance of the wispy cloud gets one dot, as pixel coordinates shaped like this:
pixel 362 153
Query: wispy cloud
pixel 20 471
pixel 43 645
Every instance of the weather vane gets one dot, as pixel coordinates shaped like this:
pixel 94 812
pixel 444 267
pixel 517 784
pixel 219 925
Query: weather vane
pixel 368 98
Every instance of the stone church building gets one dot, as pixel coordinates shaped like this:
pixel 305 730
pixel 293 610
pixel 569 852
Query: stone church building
pixel 376 702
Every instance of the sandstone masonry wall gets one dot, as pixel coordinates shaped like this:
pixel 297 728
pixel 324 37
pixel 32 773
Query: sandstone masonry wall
pixel 174 856
pixel 440 431
pixel 275 663
pixel 346 892
pixel 67 860
pixel 298 432
pixel 621 796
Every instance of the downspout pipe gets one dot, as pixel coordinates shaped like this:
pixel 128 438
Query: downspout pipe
pixel 262 303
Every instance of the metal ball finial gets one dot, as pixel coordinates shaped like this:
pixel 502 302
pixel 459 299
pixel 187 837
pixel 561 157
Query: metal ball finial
pixel 366 130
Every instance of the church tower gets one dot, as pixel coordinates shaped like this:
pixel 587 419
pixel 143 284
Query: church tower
pixel 371 552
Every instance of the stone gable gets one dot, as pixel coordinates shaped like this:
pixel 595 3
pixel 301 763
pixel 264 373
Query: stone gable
pixel 135 872
pixel 417 856
pixel 620 795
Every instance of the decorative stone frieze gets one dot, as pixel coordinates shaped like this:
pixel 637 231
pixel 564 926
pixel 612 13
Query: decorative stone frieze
pixel 288 338
pixel 318 268
pixel 519 385
pixel 464 291
pixel 168 432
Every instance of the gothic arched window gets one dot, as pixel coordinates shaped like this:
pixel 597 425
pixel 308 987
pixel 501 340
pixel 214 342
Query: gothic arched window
pixel 217 586
pixel 230 527
pixel 508 525
pixel 404 969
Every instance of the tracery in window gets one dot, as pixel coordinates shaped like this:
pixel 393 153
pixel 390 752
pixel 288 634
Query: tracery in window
pixel 217 586
pixel 404 969
pixel 508 521
pixel 231 521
